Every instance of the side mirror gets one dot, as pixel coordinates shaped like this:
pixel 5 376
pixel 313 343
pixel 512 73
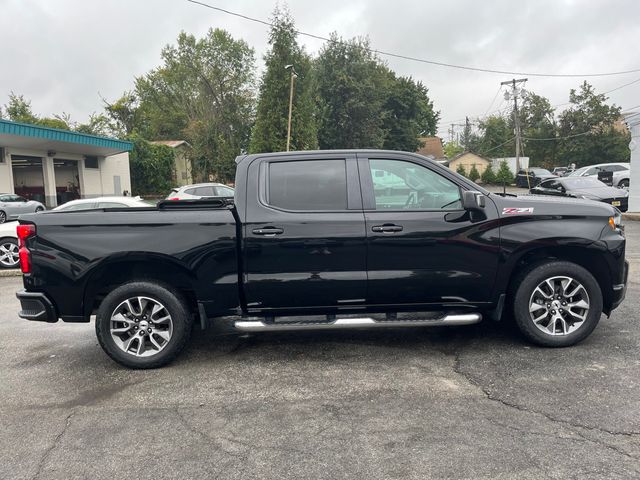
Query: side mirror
pixel 472 200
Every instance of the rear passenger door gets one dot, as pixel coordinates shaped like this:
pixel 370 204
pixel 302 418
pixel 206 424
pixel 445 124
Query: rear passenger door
pixel 304 234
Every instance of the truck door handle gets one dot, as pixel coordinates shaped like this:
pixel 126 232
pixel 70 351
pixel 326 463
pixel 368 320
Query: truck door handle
pixel 387 228
pixel 268 231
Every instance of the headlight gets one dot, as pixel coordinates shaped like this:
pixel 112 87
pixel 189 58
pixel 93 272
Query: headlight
pixel 615 222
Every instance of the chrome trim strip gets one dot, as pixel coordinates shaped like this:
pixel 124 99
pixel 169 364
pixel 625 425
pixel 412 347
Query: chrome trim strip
pixel 346 323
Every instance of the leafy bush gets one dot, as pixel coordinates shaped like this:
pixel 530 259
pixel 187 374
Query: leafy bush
pixel 151 167
pixel 488 177
pixel 461 170
pixel 474 175
pixel 504 175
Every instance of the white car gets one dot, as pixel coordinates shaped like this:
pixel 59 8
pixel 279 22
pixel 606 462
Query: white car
pixel 102 202
pixel 200 190
pixel 9 245
pixel 621 172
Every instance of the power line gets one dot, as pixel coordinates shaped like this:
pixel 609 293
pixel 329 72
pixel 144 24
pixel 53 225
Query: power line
pixel 422 60
pixel 533 139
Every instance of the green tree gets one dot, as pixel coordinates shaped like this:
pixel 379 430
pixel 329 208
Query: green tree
pixel 496 139
pixel 538 121
pixel 203 93
pixel 504 176
pixel 352 88
pixel 151 167
pixel 410 114
pixel 19 109
pixel 451 149
pixel 461 170
pixel 270 130
pixel 587 130
pixel 98 124
pixel 474 175
pixel 488 177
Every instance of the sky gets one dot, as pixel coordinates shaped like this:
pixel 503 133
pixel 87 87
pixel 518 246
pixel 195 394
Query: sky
pixel 65 55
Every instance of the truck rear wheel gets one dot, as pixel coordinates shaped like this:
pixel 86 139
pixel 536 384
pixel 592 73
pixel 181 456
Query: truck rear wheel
pixel 557 304
pixel 143 324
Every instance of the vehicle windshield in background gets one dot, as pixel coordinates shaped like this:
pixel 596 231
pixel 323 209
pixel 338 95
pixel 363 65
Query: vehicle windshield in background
pixel 584 182
pixel 540 171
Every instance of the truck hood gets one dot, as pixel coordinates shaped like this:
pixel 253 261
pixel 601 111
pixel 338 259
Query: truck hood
pixel 534 205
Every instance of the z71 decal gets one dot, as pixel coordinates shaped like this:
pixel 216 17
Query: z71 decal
pixel 516 210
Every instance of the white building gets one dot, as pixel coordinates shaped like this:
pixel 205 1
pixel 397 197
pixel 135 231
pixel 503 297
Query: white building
pixel 511 162
pixel 54 166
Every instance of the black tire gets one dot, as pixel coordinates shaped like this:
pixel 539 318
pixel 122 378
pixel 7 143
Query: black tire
pixel 527 282
pixel 3 217
pixel 623 183
pixel 6 262
pixel 39 209
pixel 175 306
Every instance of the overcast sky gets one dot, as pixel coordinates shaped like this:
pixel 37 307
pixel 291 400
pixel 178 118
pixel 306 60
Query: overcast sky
pixel 64 54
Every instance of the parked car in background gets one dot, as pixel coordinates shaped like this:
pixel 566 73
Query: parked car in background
pixel 12 206
pixel 9 245
pixel 621 172
pixel 584 187
pixel 536 175
pixel 200 190
pixel 103 202
pixel 560 171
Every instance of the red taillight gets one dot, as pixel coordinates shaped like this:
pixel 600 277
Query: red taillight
pixel 24 232
pixel 173 198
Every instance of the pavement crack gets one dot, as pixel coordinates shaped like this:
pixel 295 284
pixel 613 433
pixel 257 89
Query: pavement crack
pixel 53 446
pixel 574 427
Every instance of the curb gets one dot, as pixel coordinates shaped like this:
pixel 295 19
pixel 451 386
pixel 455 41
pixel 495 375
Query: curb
pixel 13 272
pixel 634 217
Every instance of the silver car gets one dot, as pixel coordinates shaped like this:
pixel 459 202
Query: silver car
pixel 621 172
pixel 12 206
pixel 201 190
pixel 9 245
pixel 102 202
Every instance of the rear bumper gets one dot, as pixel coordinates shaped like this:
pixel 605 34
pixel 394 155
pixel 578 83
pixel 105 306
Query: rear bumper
pixel 620 290
pixel 36 306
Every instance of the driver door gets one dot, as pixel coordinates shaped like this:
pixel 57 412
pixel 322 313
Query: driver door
pixel 422 247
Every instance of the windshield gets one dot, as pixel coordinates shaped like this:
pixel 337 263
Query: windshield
pixel 577 173
pixel 583 182
pixel 540 171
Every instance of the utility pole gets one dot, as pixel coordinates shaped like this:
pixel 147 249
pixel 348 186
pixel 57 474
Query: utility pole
pixel 294 75
pixel 516 118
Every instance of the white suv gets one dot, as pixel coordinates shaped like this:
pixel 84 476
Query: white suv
pixel 200 190
pixel 621 172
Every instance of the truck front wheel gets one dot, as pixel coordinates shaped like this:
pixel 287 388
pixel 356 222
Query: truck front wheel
pixel 557 304
pixel 143 324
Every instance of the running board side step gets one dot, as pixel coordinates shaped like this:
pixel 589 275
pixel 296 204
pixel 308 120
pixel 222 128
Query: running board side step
pixel 347 323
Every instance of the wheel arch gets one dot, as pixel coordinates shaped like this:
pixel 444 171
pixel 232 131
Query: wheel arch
pixel 115 271
pixel 588 258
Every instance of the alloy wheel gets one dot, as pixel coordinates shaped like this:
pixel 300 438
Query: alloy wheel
pixel 9 255
pixel 3 217
pixel 141 326
pixel 559 305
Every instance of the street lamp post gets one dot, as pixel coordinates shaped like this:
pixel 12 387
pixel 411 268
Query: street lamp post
pixel 293 77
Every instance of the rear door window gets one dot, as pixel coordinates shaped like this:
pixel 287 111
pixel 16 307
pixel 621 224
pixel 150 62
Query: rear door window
pixel 204 191
pixel 308 185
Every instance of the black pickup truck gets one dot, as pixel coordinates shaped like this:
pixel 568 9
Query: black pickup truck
pixel 325 240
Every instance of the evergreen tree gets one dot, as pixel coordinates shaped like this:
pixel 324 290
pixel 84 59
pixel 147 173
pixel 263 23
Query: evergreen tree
pixel 461 170
pixel 352 89
pixel 270 130
pixel 504 176
pixel 473 173
pixel 488 177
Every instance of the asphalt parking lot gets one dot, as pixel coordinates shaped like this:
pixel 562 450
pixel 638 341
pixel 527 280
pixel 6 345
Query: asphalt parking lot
pixel 468 402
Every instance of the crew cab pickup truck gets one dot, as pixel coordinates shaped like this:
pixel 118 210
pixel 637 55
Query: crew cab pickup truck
pixel 325 240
